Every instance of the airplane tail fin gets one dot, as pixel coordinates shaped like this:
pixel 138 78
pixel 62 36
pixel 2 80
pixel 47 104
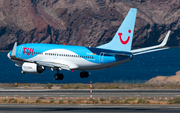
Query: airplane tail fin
pixel 122 40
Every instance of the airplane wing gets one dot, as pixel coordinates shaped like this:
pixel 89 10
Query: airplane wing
pixel 53 65
pixel 152 48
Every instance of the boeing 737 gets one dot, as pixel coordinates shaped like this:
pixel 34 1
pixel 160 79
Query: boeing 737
pixel 35 57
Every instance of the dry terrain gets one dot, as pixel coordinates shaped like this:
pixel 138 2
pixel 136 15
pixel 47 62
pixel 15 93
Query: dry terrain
pixel 89 101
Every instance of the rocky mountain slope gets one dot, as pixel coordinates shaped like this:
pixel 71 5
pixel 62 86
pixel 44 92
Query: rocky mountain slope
pixel 86 22
pixel 164 80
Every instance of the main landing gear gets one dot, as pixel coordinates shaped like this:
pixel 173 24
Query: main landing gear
pixel 58 76
pixel 84 74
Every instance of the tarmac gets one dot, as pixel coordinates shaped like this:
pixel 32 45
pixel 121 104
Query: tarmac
pixel 88 108
pixel 86 93
pixel 18 108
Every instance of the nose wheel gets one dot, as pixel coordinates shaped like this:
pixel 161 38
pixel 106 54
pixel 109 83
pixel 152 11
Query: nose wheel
pixel 84 74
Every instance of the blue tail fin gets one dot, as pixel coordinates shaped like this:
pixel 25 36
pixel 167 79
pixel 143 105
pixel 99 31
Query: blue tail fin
pixel 123 38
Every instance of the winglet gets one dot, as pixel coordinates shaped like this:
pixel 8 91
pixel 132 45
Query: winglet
pixel 13 54
pixel 165 39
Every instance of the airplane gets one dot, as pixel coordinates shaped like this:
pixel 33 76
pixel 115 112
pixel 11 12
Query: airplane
pixel 35 57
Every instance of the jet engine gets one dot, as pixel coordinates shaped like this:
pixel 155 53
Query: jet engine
pixel 32 68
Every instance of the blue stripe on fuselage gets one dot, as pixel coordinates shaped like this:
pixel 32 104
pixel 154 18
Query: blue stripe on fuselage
pixel 98 51
pixel 24 51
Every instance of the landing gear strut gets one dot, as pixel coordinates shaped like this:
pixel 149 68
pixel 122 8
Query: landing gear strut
pixel 84 74
pixel 58 76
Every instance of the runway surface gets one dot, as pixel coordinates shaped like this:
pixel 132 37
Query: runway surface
pixel 86 93
pixel 15 108
pixel 29 108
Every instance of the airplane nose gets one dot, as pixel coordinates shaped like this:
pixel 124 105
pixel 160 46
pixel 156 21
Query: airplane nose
pixel 8 55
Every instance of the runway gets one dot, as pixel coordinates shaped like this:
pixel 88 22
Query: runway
pixel 56 108
pixel 85 93
pixel 15 108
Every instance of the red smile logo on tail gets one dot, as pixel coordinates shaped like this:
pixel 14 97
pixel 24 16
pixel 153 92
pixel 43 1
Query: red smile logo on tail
pixel 124 42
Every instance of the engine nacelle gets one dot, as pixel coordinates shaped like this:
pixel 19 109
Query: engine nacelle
pixel 32 68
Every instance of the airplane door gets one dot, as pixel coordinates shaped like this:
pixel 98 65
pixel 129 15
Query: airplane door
pixel 20 52
pixel 101 58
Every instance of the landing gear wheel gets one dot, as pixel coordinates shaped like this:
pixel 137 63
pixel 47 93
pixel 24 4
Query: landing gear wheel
pixel 86 74
pixel 61 76
pixel 82 74
pixel 56 77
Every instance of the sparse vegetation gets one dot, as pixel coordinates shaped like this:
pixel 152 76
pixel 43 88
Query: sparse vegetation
pixel 102 99
pixel 5 100
pixel 22 102
pixel 142 101
pixel 49 86
pixel 69 101
pixel 128 100
pixel 15 101
pixel 175 101
pixel 114 101
pixel 52 101
pixel 95 101
pixel 38 101
pixel 121 85
pixel 11 100
pixel 61 102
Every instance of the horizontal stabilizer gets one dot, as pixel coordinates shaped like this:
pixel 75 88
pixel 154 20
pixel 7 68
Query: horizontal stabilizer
pixel 150 49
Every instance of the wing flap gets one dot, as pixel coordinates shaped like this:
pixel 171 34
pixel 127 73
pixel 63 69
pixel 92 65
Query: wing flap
pixel 62 66
pixel 53 65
